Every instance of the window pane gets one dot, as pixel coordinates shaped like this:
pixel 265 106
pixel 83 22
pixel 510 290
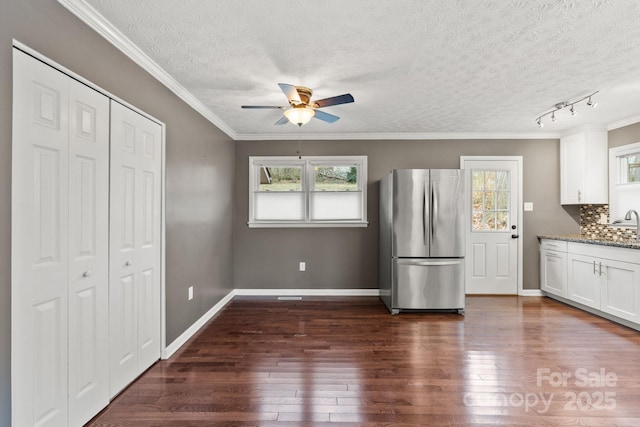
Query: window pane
pixel 336 178
pixel 502 180
pixel 489 221
pixel 476 200
pixel 476 221
pixel 279 206
pixel 489 180
pixel 502 221
pixel 478 180
pixel 281 178
pixel 332 205
pixel 489 200
pixel 502 200
pixel 633 165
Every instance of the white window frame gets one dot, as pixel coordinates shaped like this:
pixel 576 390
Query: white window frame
pixel 623 195
pixel 308 164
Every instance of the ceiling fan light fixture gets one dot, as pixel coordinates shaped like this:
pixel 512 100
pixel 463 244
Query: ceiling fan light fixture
pixel 300 116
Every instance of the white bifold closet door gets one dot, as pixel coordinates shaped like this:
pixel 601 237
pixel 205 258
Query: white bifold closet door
pixel 135 245
pixel 59 247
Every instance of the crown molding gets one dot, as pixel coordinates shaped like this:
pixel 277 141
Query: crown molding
pixel 393 136
pixel 624 122
pixel 87 14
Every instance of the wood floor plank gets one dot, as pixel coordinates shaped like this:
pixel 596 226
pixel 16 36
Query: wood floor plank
pixel 347 361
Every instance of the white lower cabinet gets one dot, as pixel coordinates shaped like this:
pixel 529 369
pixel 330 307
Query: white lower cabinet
pixel 583 280
pixel 553 268
pixel 603 278
pixel 620 293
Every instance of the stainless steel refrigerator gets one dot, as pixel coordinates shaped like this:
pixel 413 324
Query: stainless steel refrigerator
pixel 422 239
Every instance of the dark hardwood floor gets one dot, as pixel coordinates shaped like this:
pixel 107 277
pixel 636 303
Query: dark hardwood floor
pixel 346 361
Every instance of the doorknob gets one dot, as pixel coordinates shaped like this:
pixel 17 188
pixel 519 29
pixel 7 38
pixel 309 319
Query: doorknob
pixel 514 236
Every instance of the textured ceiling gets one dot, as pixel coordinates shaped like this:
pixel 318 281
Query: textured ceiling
pixel 413 66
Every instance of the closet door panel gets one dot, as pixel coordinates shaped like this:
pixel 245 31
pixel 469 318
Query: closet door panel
pixel 135 237
pixel 39 244
pixel 88 253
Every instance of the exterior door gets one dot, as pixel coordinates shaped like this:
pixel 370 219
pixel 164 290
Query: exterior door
pixel 135 247
pixel 493 229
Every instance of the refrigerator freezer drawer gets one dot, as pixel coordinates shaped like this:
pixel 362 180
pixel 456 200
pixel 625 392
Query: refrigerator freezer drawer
pixel 425 284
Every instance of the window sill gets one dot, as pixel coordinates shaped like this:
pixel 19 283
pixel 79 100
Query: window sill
pixel 327 224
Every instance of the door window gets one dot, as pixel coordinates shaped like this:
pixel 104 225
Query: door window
pixel 490 195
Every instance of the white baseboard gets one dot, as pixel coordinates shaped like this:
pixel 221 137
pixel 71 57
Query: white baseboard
pixel 531 293
pixel 184 337
pixel 309 292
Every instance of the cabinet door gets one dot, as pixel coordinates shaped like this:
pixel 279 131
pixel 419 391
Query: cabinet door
pixel 572 164
pixel 553 272
pixel 619 286
pixel 583 280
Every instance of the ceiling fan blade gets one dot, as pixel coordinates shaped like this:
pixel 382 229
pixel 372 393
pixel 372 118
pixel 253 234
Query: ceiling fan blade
pixel 263 107
pixel 290 91
pixel 283 120
pixel 326 117
pixel 335 100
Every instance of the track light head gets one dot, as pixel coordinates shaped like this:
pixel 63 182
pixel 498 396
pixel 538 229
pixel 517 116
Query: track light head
pixel 539 122
pixel 553 116
pixel 592 104
pixel 573 110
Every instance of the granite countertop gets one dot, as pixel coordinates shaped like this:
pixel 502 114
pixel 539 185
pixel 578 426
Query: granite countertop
pixel 581 238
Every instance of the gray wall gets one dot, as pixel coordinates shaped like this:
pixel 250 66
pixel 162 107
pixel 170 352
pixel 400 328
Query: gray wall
pixel 199 174
pixel 348 257
pixel 625 135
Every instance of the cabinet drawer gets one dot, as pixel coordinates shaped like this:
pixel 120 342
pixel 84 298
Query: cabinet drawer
pixel 553 245
pixel 605 252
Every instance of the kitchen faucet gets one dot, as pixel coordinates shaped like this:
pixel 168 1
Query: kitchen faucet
pixel 627 217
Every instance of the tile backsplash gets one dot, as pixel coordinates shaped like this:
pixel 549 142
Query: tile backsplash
pixel 594 220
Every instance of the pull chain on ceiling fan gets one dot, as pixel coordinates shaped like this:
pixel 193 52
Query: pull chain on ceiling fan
pixel 303 108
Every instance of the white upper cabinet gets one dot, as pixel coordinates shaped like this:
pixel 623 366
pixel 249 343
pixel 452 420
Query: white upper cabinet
pixel 583 168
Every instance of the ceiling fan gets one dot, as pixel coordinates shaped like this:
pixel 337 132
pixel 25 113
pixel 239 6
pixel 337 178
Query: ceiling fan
pixel 303 108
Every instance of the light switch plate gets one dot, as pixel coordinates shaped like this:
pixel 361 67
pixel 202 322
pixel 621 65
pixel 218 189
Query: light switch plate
pixel 528 206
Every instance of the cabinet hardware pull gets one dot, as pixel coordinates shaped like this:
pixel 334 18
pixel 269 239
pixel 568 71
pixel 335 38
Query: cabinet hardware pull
pixel 594 268
pixel 128 262
pixel 601 269
pixel 87 273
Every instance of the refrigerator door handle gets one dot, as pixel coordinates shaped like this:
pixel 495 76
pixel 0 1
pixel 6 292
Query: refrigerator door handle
pixel 425 215
pixel 429 263
pixel 434 209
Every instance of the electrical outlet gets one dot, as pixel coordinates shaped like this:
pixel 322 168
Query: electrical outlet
pixel 190 293
pixel 528 206
pixel 303 266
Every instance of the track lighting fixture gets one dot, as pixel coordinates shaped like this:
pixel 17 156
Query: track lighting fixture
pixel 565 104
